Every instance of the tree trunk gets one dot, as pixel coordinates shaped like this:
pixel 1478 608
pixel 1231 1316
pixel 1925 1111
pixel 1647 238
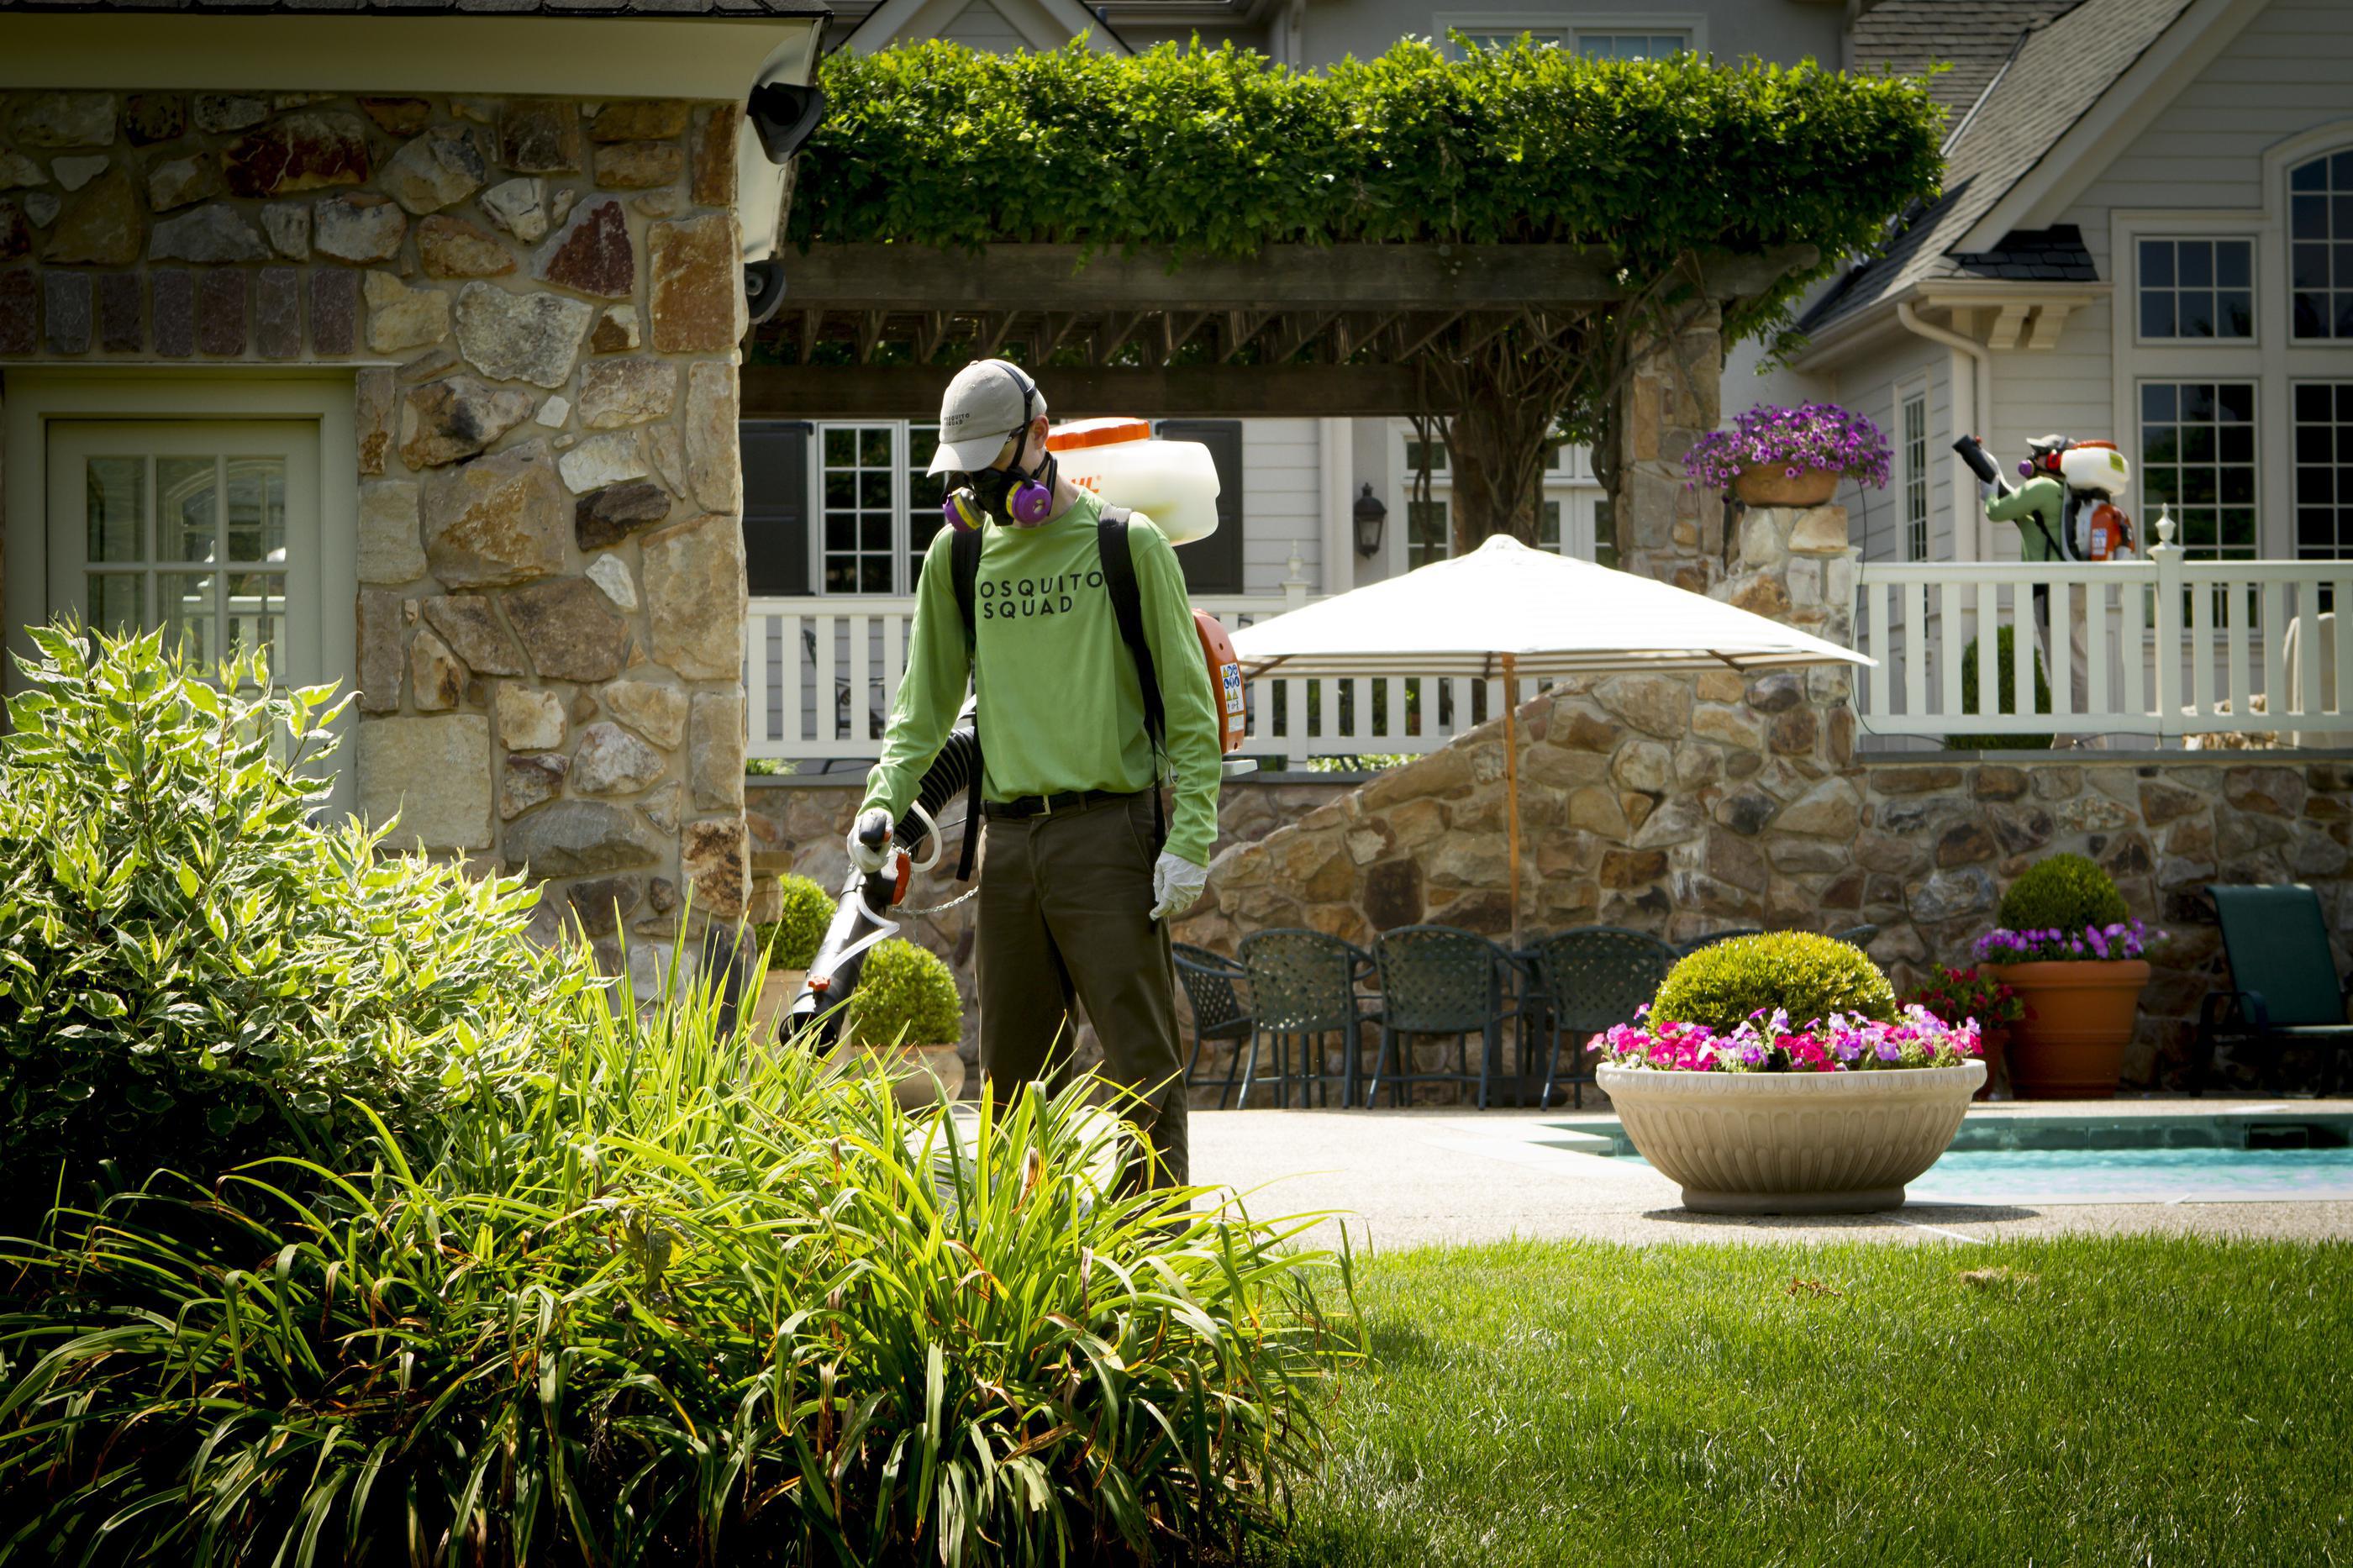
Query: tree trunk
pixel 1495 445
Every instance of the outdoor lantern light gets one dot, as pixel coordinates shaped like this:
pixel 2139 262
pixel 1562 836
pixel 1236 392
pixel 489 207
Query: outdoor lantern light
pixel 778 116
pixel 1370 515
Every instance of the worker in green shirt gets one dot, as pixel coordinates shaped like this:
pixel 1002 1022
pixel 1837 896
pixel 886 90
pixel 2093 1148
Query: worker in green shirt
pixel 1075 891
pixel 2038 508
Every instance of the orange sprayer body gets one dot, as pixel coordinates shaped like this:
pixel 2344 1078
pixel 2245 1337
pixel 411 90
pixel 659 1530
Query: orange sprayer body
pixel 1228 692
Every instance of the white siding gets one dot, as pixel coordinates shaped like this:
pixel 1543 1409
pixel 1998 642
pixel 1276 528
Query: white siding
pixel 1869 385
pixel 1282 502
pixel 981 27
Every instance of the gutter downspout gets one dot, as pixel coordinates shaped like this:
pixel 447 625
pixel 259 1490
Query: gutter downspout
pixel 1980 404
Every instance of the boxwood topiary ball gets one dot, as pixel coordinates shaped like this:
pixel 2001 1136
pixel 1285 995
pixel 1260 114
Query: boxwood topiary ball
pixel 1806 976
pixel 792 939
pixel 906 996
pixel 2065 892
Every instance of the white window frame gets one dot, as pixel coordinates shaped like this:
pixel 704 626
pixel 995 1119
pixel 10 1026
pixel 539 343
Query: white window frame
pixel 2295 538
pixel 1565 29
pixel 2287 242
pixel 903 456
pixel 1907 393
pixel 2273 360
pixel 2266 525
pixel 2129 265
pixel 37 396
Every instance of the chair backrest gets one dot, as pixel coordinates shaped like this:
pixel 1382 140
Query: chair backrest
pixel 1301 982
pixel 1857 936
pixel 1440 979
pixel 1209 980
pixel 2277 940
pixel 1686 948
pixel 1598 976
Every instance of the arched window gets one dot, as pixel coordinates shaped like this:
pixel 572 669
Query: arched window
pixel 2320 247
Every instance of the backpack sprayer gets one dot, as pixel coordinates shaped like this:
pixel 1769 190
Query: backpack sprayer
pixel 2091 527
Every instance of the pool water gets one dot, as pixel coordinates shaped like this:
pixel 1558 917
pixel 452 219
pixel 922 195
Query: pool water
pixel 2004 1158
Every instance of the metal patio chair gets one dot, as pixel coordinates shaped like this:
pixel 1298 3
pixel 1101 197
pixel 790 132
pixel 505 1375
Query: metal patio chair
pixel 1218 1014
pixel 2285 988
pixel 1442 980
pixel 1860 936
pixel 1588 980
pixel 1302 986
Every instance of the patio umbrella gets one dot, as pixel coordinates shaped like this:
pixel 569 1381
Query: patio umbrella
pixel 1505 610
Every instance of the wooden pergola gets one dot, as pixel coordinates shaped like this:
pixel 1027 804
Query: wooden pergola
pixel 1296 330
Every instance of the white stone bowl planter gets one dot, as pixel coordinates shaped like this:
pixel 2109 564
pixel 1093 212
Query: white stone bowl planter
pixel 1791 1142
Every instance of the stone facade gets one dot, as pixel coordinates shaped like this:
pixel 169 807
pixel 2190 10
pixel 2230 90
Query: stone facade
pixel 539 303
pixel 1684 805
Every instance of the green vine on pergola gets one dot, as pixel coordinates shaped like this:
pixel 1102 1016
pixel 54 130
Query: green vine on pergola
pixel 1195 153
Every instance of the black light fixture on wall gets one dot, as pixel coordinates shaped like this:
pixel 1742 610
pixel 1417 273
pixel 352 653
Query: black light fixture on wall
pixel 1371 516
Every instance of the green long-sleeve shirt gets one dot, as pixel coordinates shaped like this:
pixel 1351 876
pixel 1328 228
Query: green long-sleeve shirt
pixel 2042 498
pixel 1061 706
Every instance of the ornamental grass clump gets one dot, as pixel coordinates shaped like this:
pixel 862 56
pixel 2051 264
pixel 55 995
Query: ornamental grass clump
pixel 1813 437
pixel 687 1303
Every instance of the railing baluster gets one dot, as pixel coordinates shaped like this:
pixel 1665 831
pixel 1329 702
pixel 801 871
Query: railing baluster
pixel 2235 618
pixel 1916 648
pixel 2275 635
pixel 1990 647
pixel 2201 652
pixel 755 684
pixel 2095 646
pixel 2022 650
pixel 2309 704
pixel 826 706
pixel 788 683
pixel 894 658
pixel 2133 646
pixel 2341 599
pixel 1949 643
pixel 1875 603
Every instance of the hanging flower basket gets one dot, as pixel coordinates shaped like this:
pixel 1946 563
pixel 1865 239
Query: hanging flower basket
pixel 1789 457
pixel 1785 487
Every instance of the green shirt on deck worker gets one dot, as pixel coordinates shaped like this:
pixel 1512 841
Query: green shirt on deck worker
pixel 2039 507
pixel 1062 707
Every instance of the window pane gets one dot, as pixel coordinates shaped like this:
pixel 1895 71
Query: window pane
pixel 116 507
pixel 2324 468
pixel 2234 313
pixel 874 448
pixel 1427 528
pixel 257 508
pixel 861 482
pixel 1548 526
pixel 2155 313
pixel 2320 216
pixel 2197 313
pixel 2156 263
pixel 186 608
pixel 2234 263
pixel 185 511
pixel 113 601
pixel 2194 263
pixel 2199 464
pixel 1605 532
pixel 256 613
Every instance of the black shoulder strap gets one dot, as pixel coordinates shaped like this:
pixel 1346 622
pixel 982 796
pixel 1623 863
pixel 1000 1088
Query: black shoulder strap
pixel 1111 543
pixel 964 561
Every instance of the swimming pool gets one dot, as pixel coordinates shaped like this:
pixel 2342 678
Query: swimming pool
pixel 2002 1157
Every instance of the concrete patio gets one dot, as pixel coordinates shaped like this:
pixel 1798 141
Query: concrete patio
pixel 1423 1177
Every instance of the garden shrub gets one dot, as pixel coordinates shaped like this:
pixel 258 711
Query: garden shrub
pixel 792 939
pixel 2062 892
pixel 685 1303
pixel 1808 977
pixel 2005 663
pixel 192 973
pixel 906 996
pixel 1222 151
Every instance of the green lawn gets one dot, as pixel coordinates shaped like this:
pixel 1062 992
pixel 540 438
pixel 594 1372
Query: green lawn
pixel 2087 1402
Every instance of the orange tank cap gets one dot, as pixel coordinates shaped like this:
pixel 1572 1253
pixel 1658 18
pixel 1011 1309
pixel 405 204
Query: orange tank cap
pixel 1081 433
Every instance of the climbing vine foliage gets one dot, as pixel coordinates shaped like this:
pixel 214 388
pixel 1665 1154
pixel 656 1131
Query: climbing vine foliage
pixel 1219 152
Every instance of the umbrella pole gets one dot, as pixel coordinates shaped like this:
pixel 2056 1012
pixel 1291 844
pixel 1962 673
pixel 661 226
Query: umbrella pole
pixel 1512 784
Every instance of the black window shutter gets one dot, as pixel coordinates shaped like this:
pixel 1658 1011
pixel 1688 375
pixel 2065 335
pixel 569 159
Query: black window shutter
pixel 776 507
pixel 1214 566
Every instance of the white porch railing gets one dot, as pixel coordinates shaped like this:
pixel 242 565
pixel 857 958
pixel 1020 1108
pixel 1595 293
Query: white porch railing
pixel 2175 647
pixel 819 675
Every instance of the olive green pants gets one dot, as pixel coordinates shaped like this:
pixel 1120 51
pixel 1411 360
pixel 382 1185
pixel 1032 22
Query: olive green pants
pixel 1065 912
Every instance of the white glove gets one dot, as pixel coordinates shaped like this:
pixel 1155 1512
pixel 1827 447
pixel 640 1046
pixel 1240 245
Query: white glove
pixel 1175 883
pixel 872 823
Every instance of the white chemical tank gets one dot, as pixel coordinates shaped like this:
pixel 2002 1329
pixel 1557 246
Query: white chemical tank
pixel 1173 483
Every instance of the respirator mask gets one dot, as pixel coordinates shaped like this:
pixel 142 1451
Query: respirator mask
pixel 1014 496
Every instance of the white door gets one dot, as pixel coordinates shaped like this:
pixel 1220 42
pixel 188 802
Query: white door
pixel 208 530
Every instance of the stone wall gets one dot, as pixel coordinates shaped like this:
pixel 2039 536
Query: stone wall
pixel 1684 804
pixel 540 302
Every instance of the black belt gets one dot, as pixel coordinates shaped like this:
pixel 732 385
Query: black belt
pixel 1047 805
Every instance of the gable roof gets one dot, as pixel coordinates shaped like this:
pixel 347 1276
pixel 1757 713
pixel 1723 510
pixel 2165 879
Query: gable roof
pixel 1970 38
pixel 2061 68
pixel 741 8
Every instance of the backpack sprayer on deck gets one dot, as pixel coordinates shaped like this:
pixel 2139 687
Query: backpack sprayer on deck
pixel 1173 482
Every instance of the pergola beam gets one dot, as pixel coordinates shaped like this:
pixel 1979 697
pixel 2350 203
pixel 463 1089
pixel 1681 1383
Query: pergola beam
pixel 1197 391
pixel 1378 278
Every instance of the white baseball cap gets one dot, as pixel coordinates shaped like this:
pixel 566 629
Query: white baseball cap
pixel 988 401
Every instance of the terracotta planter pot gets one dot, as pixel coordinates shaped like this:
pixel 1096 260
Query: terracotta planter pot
pixel 1791 1142
pixel 1995 1044
pixel 2079 1018
pixel 1774 486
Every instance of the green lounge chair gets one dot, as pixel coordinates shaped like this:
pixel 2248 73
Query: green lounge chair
pixel 2285 988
